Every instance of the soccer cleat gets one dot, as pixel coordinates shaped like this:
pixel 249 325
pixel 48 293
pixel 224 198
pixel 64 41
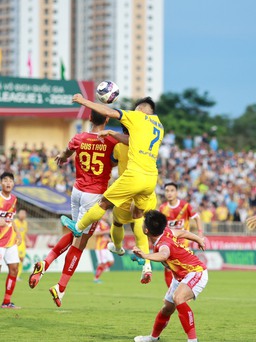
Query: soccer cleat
pixel 10 306
pixel 139 260
pixel 71 225
pixel 146 274
pixel 97 281
pixel 146 338
pixel 56 294
pixel 37 274
pixel 112 248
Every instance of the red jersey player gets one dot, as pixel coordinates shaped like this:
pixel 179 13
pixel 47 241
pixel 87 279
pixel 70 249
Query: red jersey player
pixel 9 237
pixel 93 169
pixel 178 213
pixel 190 274
pixel 104 256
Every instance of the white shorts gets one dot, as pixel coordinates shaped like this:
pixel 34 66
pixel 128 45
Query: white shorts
pixel 195 280
pixel 81 202
pixel 10 255
pixel 104 255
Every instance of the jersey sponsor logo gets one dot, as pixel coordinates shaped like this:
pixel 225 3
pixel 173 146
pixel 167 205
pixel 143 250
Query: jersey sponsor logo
pixel 176 223
pixel 71 266
pixel 7 215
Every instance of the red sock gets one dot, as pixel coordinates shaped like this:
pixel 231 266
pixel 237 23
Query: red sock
pixel 186 317
pixel 71 261
pixel 9 288
pixel 161 322
pixel 60 247
pixel 109 264
pixel 99 270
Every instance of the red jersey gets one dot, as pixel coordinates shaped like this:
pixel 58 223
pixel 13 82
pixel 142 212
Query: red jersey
pixel 7 211
pixel 92 161
pixel 178 216
pixel 102 240
pixel 181 260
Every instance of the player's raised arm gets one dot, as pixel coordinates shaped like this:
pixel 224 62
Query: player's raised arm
pixel 97 107
pixel 184 234
pixel 123 138
pixel 162 255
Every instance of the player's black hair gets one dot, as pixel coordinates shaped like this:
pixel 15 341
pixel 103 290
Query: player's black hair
pixel 98 119
pixel 7 174
pixel 147 100
pixel 155 222
pixel 171 183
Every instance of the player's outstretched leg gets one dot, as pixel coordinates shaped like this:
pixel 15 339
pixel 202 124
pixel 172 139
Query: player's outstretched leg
pixel 37 274
pixel 112 248
pixel 56 294
pixel 71 225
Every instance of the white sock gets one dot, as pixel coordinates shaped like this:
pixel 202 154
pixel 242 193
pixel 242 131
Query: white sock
pixel 79 230
pixel 192 340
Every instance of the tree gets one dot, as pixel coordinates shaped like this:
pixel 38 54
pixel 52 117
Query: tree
pixel 244 129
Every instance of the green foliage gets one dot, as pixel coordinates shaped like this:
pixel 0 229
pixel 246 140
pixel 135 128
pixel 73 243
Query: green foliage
pixel 188 113
pixel 244 129
pixel 121 308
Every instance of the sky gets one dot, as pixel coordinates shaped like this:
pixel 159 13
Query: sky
pixel 210 45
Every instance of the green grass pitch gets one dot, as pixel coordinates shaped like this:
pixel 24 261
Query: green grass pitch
pixel 121 308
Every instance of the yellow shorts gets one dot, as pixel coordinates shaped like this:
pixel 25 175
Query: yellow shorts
pixel 132 185
pixel 123 214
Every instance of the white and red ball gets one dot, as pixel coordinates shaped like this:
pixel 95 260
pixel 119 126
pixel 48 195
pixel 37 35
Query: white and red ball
pixel 107 92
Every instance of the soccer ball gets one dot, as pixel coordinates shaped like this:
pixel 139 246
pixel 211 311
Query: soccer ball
pixel 107 92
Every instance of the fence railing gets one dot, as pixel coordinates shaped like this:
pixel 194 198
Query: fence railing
pixel 227 228
pixel 53 226
pixel 49 226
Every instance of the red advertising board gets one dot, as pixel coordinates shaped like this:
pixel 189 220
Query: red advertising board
pixel 229 243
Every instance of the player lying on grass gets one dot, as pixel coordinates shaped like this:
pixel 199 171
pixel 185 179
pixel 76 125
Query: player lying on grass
pixel 190 275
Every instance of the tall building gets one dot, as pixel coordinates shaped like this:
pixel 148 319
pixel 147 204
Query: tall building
pixel 118 40
pixel 121 40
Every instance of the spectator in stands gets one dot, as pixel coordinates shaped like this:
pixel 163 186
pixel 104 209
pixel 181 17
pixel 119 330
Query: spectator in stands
pixel 214 145
pixel 206 214
pixel 13 152
pixel 188 142
pixel 169 138
pixel 222 213
pixel 231 205
pixel 201 169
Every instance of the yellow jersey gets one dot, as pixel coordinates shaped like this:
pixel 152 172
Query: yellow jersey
pixel 22 227
pixel 120 154
pixel 145 137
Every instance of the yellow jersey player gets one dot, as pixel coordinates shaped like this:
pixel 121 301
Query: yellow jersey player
pixel 21 225
pixel 139 180
pixel 122 215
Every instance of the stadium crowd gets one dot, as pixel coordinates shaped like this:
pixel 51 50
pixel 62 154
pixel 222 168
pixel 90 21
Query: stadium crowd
pixel 220 184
